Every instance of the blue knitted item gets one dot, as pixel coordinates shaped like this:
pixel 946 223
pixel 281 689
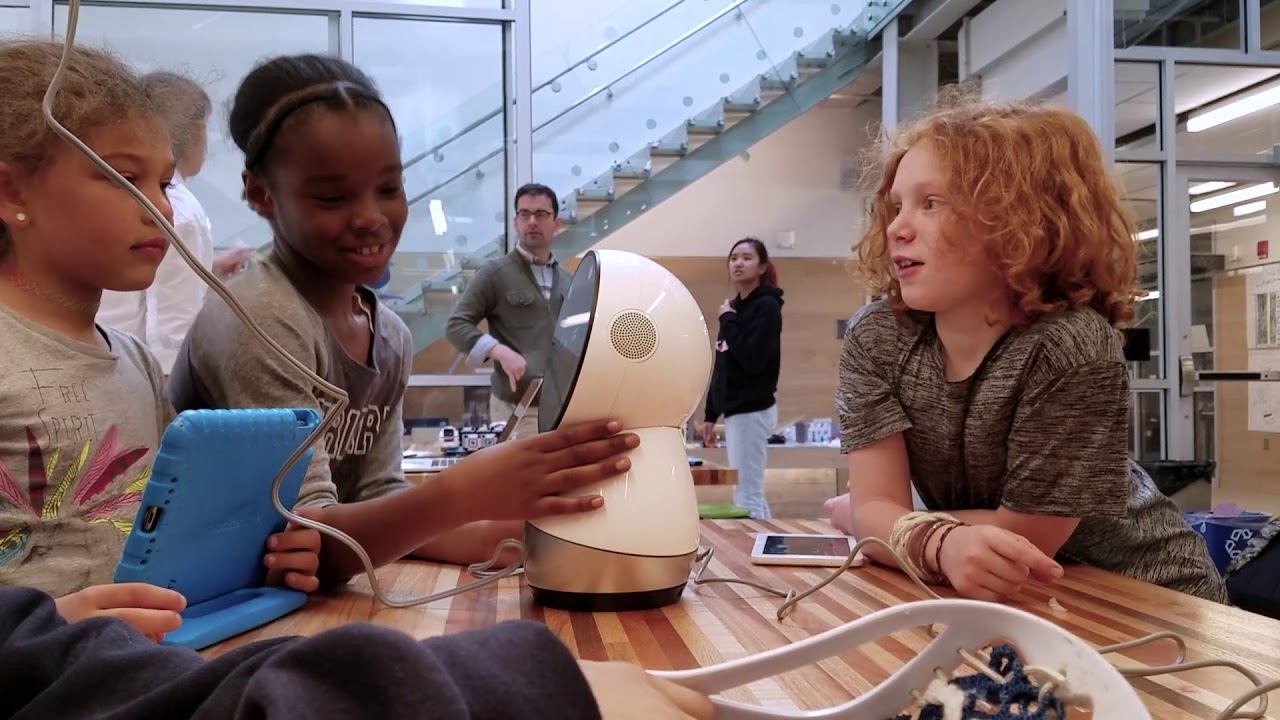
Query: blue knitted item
pixel 1012 699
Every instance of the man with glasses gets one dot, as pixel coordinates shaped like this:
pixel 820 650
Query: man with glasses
pixel 520 296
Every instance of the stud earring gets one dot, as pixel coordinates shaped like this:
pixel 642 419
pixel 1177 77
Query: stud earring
pixel 22 217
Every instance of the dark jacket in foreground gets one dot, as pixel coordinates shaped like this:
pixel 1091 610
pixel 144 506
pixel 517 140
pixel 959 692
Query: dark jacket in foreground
pixel 102 668
pixel 748 355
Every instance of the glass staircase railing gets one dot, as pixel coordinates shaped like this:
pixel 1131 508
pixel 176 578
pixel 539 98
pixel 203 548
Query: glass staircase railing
pixel 553 83
pixel 458 187
pixel 698 74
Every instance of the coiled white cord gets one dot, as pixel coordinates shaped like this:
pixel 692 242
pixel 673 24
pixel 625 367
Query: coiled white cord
pixel 337 393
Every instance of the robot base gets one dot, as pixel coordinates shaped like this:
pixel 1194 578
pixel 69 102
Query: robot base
pixel 569 576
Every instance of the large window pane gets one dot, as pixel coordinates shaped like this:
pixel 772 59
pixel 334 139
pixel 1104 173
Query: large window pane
pixel 1235 283
pixel 1196 24
pixel 216 48
pixel 1137 117
pixel 1146 440
pixel 1270 24
pixel 444 82
pixel 1141 183
pixel 1205 424
pixel 1227 112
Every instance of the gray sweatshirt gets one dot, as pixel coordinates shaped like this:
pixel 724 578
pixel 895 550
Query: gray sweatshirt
pixel 222 364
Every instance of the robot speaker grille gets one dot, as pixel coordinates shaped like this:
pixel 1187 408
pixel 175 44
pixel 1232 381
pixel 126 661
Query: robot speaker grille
pixel 633 335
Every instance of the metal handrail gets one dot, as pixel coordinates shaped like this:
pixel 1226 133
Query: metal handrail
pixel 495 113
pixel 603 88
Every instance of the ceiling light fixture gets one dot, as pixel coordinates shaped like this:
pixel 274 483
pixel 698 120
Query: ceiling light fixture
pixel 1249 208
pixel 1234 110
pixel 1210 186
pixel 1252 192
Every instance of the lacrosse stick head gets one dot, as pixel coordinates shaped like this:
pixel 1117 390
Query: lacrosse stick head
pixel 1052 659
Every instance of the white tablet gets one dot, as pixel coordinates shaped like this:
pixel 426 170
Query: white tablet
pixel 799 549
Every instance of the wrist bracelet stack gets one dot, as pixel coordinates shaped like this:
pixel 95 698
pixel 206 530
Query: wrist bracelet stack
pixel 937 552
pixel 923 525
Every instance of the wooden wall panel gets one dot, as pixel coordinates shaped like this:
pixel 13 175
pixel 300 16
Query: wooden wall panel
pixel 816 294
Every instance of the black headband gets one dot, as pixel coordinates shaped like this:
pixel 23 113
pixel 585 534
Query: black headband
pixel 260 141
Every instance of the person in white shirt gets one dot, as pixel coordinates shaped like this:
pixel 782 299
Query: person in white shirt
pixel 160 315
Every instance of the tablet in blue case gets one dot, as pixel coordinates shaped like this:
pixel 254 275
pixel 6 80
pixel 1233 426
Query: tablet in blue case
pixel 206 514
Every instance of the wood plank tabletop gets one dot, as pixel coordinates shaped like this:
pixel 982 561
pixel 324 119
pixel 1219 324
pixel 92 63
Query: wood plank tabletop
pixel 714 623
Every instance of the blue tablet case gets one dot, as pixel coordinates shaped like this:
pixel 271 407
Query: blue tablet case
pixel 206 514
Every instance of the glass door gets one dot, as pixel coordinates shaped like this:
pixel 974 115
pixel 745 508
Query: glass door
pixel 1222 314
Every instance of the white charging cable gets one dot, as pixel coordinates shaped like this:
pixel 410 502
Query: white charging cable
pixel 481 570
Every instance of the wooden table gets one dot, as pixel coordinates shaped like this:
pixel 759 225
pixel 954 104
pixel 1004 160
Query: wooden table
pixel 718 622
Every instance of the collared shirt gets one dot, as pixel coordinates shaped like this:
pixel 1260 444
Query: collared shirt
pixel 544 273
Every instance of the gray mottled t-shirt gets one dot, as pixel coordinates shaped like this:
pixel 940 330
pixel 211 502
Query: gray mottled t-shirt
pixel 223 364
pixel 79 426
pixel 1041 428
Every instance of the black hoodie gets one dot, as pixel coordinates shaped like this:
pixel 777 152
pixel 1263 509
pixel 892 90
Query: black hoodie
pixel 748 355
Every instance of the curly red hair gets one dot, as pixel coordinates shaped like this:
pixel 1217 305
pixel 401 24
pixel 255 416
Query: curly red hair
pixel 1030 184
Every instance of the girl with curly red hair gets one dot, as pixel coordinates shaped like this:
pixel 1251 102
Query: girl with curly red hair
pixel 990 374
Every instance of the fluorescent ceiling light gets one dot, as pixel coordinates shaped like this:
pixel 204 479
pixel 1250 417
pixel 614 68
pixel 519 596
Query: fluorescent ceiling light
pixel 1210 186
pixel 437 217
pixel 1150 295
pixel 1233 110
pixel 1147 235
pixel 1252 192
pixel 1249 208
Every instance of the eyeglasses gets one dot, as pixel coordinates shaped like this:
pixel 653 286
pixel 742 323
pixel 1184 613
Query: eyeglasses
pixel 540 215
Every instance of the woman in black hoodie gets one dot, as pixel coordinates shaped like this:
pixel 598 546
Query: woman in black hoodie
pixel 748 354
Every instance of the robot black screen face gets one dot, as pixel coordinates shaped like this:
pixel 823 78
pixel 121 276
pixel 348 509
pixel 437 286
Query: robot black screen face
pixel 569 344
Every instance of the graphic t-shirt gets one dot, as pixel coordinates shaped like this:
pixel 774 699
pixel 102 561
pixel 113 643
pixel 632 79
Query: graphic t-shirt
pixel 223 364
pixel 78 428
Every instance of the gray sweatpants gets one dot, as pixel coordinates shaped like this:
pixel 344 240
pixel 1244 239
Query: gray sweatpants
pixel 747 437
